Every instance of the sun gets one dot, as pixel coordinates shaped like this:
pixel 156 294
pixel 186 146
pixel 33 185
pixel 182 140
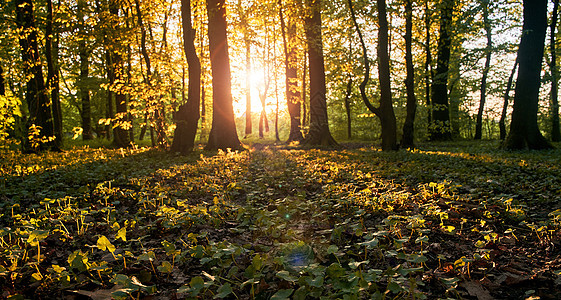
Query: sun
pixel 256 85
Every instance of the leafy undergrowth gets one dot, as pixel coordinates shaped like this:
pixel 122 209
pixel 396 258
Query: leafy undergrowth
pixel 447 221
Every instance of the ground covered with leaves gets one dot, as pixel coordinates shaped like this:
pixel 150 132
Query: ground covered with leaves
pixel 460 220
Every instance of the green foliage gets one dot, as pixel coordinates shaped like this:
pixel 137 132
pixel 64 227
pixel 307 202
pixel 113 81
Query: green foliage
pixel 279 224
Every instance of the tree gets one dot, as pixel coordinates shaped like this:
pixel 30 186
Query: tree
pixel 488 52
pixel 502 121
pixel 84 54
pixel 409 126
pixel 440 128
pixel 40 122
pixel 555 130
pixel 319 133
pixel 121 136
pixel 385 110
pixel 524 131
pixel 51 49
pixel 187 117
pixel 293 99
pixel 223 133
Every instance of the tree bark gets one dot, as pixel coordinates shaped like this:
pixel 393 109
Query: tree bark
pixel 319 134
pixel 84 91
pixel 348 94
pixel 524 131
pixel 2 82
pixel 121 131
pixel 51 47
pixel 187 118
pixel 293 98
pixel 223 133
pixel 409 126
pixel 440 129
pixel 502 121
pixel 248 123
pixel 555 130
pixel 385 110
pixel 488 52
pixel 429 73
pixel 37 99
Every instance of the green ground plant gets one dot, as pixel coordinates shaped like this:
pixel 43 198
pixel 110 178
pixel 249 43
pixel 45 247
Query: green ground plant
pixel 452 220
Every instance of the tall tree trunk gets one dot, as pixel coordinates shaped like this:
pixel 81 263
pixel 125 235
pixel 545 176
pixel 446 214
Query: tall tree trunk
pixel 38 102
pixel 51 47
pixel 293 99
pixel 86 115
pixel 319 123
pixel 488 52
pixel 524 131
pixel 348 94
pixel 385 110
pixel 223 133
pixel 248 124
pixel 305 119
pixel 502 121
pixel 120 133
pixel 440 128
pixel 2 82
pixel 187 118
pixel 409 126
pixel 429 73
pixel 555 130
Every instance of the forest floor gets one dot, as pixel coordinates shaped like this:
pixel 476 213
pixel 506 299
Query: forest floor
pixel 457 220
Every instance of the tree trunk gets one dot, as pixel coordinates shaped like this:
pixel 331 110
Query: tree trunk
pixel 40 122
pixel 84 91
pixel 385 110
pixel 51 47
pixel 409 126
pixel 121 131
pixel 319 125
pixel 488 52
pixel 348 93
pixel 293 99
pixel 248 124
pixel 555 130
pixel 502 126
pixel 429 73
pixel 524 132
pixel 440 129
pixel 305 119
pixel 2 82
pixel 187 118
pixel 223 133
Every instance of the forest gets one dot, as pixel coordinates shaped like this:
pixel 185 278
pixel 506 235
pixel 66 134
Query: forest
pixel 279 149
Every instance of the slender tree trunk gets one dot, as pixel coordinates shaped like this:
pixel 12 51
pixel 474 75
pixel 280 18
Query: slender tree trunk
pixel 524 131
pixel 409 125
pixel 319 123
pixel 348 93
pixel 385 110
pixel 248 124
pixel 293 99
pixel 502 121
pixel 51 47
pixel 84 91
pixel 429 73
pixel 121 134
pixel 441 128
pixel 488 52
pixel 223 133
pixel 555 130
pixel 305 119
pixel 2 82
pixel 187 118
pixel 37 99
